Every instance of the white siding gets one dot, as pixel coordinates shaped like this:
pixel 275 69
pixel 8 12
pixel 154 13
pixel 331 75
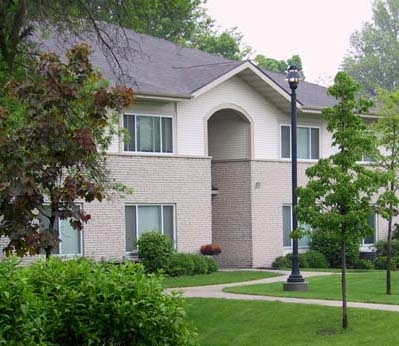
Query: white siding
pixel 265 120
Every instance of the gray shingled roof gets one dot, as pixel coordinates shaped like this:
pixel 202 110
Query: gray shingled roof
pixel 153 66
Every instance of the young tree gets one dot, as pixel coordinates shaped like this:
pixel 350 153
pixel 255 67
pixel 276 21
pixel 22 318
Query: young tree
pixel 373 61
pixel 387 134
pixel 337 197
pixel 54 128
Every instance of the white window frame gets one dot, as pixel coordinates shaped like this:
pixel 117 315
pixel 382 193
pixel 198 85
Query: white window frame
pixel 310 142
pixel 122 148
pixel 58 223
pixel 288 249
pixel 161 205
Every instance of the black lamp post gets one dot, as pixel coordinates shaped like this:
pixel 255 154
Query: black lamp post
pixel 295 281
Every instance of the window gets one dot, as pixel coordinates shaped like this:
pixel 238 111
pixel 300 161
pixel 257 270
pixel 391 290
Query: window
pixel 149 134
pixel 308 142
pixel 70 239
pixel 148 218
pixel 366 242
pixel 287 228
pixel 367 159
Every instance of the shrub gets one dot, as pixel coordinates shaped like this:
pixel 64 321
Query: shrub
pixel 80 302
pixel 381 248
pixel 200 264
pixel 303 262
pixel 362 263
pixel 155 250
pixel 212 265
pixel 21 319
pixel 314 259
pixel 281 262
pixel 380 262
pixel 328 245
pixel 180 264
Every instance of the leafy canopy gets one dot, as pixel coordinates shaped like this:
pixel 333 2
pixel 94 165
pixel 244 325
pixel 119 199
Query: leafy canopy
pixel 373 61
pixel 54 128
pixel 338 195
pixel 280 66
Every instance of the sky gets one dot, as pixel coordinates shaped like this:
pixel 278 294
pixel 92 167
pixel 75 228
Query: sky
pixel 318 30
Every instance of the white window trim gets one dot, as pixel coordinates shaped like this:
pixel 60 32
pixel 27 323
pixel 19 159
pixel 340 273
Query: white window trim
pixel 162 225
pixel 300 126
pixel 145 153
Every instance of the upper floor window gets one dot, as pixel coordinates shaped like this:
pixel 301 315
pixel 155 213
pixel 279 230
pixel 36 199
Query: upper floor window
pixel 308 142
pixel 149 134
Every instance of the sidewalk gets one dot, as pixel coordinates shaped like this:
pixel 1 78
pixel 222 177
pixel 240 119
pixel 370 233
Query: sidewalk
pixel 216 291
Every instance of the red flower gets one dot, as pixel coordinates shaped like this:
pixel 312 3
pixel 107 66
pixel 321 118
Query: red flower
pixel 211 249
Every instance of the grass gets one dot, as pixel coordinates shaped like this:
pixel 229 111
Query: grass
pixel 220 277
pixel 362 287
pixel 223 322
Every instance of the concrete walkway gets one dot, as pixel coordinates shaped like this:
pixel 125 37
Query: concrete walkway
pixel 216 291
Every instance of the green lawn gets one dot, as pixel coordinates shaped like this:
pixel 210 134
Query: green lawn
pixel 220 277
pixel 362 287
pixel 222 322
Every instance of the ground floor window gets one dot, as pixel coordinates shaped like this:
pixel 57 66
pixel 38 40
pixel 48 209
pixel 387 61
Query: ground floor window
pixel 287 229
pixel 70 239
pixel 369 241
pixel 148 218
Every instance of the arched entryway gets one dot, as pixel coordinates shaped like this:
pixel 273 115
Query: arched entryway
pixel 229 145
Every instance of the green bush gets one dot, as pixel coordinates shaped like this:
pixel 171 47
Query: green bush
pixel 381 248
pixel 362 263
pixel 281 262
pixel 155 250
pixel 303 262
pixel 200 264
pixel 380 262
pixel 212 265
pixel 21 319
pixel 314 259
pixel 180 264
pixel 80 302
pixel 328 244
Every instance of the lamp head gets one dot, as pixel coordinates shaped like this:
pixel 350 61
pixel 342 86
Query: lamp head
pixel 293 76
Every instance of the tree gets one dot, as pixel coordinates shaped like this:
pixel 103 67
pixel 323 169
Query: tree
pixel 182 21
pixel 173 20
pixel 271 64
pixel 387 134
pixel 337 197
pixel 373 61
pixel 280 66
pixel 54 129
pixel 227 44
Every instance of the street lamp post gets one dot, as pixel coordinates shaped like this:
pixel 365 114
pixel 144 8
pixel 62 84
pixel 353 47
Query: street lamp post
pixel 295 281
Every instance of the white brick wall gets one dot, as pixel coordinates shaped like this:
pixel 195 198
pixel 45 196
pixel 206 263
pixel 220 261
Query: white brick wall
pixel 185 182
pixel 231 212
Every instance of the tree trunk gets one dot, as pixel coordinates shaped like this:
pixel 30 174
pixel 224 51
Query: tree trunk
pixel 343 286
pixel 51 229
pixel 389 256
